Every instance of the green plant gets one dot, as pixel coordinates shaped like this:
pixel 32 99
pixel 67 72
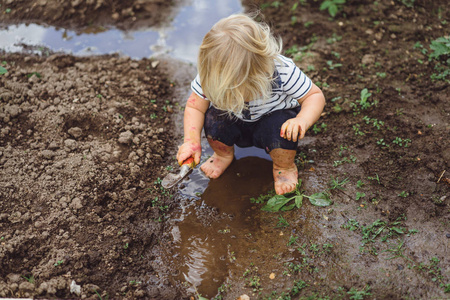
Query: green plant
pixel 308 24
pixel 356 129
pixel 333 6
pixel 403 194
pixel 335 184
pixel 397 251
pixel 3 70
pixel 440 47
pixel 282 223
pixel 58 263
pixel 38 75
pixel 332 65
pixel 363 101
pixel 292 240
pixel 382 143
pixel 375 122
pixel 360 195
pixel 334 38
pixel 316 129
pixel 400 142
pixel 298 286
pixel 408 3
pixel 280 202
pixel 376 178
pixel 221 290
pixel 360 183
pixel 350 159
pixel 252 277
pixel 263 197
pixel 351 225
pixel 359 295
pixel 381 74
pixel 30 278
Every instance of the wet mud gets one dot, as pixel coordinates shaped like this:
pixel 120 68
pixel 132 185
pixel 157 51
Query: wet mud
pixel 85 142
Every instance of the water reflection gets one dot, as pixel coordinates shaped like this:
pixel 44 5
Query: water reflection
pixel 181 38
pixel 209 237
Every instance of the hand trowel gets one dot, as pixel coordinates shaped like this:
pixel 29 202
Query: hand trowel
pixel 171 179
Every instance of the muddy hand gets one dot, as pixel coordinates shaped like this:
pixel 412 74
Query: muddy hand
pixel 293 129
pixel 189 150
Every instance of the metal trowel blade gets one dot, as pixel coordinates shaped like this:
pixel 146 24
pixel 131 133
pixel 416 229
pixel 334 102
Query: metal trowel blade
pixel 171 179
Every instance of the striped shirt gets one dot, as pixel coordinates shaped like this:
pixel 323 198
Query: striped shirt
pixel 290 84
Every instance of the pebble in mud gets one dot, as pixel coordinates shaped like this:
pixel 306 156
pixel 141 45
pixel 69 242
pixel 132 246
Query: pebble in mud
pixel 126 137
pixel 12 110
pixel 48 154
pixel 26 288
pixel 76 132
pixel 70 144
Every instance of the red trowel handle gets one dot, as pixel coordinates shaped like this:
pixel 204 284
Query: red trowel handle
pixel 190 162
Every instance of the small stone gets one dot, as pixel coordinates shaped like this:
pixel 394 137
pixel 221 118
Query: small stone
pixel 76 132
pixel 75 288
pixel 139 294
pixel 448 235
pixel 13 110
pixel 126 137
pixel 26 287
pixel 155 63
pixel 53 146
pixel 48 154
pixel 272 276
pixel 243 297
pixel 115 16
pixel 13 278
pixel 71 144
pixel 76 203
pixel 368 59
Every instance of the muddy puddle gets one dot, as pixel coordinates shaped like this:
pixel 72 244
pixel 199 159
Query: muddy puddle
pixel 219 232
pixel 180 38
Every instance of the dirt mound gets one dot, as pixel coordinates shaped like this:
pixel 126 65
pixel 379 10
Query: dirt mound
pixel 83 141
pixel 81 14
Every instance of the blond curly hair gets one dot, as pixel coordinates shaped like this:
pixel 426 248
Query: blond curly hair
pixel 236 62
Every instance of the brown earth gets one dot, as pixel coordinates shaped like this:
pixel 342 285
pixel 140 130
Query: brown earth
pixel 88 15
pixel 84 141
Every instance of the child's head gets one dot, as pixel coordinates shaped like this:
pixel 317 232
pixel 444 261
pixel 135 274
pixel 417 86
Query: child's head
pixel 236 62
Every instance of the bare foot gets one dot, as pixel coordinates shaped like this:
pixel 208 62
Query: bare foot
pixel 285 179
pixel 216 165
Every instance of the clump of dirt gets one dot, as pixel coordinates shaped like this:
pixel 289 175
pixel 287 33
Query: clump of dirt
pixel 83 142
pixel 81 14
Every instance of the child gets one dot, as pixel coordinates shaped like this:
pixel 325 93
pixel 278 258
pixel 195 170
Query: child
pixel 247 94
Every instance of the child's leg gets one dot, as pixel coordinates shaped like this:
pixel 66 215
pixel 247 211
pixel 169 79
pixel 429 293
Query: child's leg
pixel 219 161
pixel 285 171
pixel 222 133
pixel 282 151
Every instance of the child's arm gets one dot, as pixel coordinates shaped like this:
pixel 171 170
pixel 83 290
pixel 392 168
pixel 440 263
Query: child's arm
pixel 194 117
pixel 312 106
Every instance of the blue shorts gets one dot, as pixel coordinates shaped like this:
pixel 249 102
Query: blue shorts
pixel 264 133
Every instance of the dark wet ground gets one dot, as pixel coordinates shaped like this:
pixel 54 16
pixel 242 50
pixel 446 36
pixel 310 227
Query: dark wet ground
pixel 213 237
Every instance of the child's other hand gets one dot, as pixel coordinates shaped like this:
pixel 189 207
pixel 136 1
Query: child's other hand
pixel 293 129
pixel 189 149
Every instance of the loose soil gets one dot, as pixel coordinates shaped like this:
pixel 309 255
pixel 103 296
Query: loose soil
pixel 85 141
